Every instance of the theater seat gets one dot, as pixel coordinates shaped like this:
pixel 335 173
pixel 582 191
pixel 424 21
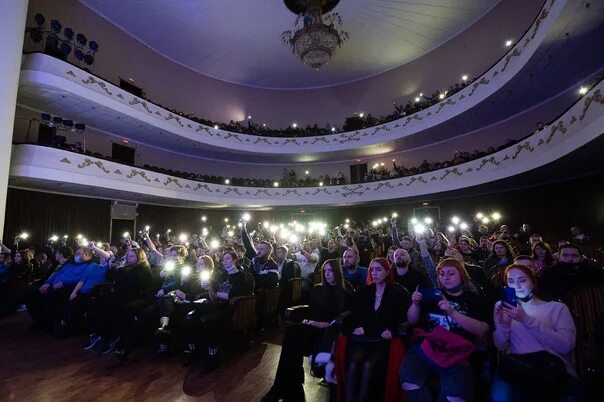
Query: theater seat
pixel 587 306
pixel 296 290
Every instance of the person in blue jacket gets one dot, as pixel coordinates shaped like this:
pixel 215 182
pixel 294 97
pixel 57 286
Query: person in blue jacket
pixel 44 301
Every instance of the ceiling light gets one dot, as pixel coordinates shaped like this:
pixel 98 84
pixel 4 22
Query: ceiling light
pixel 316 35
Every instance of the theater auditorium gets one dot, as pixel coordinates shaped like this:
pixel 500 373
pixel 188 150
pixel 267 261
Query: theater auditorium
pixel 302 200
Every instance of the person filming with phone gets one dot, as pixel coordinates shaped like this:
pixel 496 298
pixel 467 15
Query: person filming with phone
pixel 450 320
pixel 538 341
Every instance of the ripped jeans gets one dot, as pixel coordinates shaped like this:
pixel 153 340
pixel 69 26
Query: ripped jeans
pixel 456 382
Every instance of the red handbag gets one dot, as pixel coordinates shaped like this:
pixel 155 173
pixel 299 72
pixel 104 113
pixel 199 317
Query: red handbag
pixel 444 347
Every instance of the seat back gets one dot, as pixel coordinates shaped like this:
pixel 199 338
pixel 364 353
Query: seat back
pixel 296 289
pixel 244 313
pixel 316 277
pixel 587 306
pixel 270 301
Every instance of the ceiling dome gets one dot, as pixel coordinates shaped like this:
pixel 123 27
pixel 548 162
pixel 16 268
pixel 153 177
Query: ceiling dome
pixel 239 41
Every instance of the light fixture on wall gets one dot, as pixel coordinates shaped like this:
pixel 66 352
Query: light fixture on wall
pixel 317 32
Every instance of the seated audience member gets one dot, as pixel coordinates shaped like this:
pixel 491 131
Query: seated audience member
pixel 288 269
pixel 390 255
pixel 175 305
pixel 307 259
pixel 571 270
pixel 501 256
pixel 45 265
pixel 405 276
pixel 71 311
pixel 243 261
pixel 329 301
pixel 483 250
pixel 406 243
pixel 21 267
pixel 577 236
pixel 60 284
pixel 263 267
pixel 542 256
pixel 205 324
pixel 556 255
pixel 111 314
pixel 466 250
pixel 525 260
pixel 530 331
pixel 461 312
pixel 355 275
pixel 377 313
pixel 332 251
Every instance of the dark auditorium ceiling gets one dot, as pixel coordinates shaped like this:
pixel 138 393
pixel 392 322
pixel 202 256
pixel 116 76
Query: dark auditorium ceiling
pixel 239 41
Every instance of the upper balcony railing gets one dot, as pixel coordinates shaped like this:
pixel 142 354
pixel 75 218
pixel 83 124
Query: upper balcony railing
pixel 579 125
pixel 40 70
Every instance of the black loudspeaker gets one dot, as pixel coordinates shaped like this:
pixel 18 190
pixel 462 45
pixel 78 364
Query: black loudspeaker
pixel 133 89
pixel 358 172
pixel 123 154
pixel 46 134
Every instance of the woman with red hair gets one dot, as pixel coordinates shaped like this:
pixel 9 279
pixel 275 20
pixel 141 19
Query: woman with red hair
pixel 378 310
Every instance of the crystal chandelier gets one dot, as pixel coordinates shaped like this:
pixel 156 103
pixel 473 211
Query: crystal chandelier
pixel 317 32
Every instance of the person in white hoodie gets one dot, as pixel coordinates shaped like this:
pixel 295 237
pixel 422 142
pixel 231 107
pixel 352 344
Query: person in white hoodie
pixel 532 326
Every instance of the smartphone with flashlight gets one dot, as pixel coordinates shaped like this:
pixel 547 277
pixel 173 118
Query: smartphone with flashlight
pixel 508 295
pixel 431 295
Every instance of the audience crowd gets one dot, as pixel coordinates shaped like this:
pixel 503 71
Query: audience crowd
pixel 289 178
pixel 488 313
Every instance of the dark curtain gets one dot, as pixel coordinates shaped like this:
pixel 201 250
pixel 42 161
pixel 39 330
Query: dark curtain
pixel 42 215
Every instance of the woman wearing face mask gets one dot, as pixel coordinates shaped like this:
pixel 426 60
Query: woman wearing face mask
pixel 177 304
pixel 378 311
pixel 459 311
pixel 533 325
pixel 204 325
pixel 328 301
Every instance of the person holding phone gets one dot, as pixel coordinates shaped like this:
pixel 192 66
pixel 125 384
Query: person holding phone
pixel 532 325
pixel 461 312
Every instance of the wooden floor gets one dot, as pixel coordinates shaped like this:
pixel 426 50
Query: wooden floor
pixel 34 366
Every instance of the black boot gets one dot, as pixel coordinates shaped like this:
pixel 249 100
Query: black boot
pixel 213 360
pixel 273 395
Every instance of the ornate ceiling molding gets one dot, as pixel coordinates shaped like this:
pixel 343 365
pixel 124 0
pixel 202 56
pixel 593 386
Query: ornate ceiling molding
pixel 46 71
